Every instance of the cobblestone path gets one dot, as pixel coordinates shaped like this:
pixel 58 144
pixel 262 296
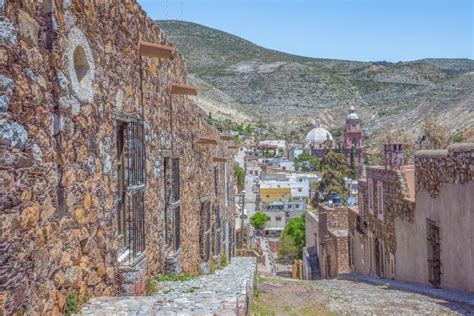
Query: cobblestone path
pixel 225 292
pixel 277 296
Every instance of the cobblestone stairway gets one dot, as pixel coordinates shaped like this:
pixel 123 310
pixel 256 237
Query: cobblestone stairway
pixel 226 292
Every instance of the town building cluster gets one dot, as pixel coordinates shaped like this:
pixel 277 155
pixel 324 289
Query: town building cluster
pixel 412 222
pixel 110 173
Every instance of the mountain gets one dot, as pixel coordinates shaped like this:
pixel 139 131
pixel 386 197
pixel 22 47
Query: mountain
pixel 245 82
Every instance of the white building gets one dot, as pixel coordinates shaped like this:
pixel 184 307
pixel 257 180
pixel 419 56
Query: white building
pixel 281 163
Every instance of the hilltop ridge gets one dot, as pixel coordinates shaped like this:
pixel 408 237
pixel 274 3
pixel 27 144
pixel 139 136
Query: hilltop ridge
pixel 243 81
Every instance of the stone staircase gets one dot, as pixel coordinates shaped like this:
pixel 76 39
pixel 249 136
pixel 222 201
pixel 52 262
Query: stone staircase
pixel 314 264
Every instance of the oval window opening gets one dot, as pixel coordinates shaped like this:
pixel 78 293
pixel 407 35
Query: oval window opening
pixel 81 66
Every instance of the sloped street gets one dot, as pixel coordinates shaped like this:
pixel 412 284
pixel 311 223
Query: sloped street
pixel 278 296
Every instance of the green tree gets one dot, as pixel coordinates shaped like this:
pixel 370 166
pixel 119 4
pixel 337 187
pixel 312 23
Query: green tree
pixel 306 162
pixel 292 239
pixel 258 220
pixel 239 174
pixel 268 154
pixel 334 169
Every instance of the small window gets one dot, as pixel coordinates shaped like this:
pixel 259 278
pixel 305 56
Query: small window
pixel 205 231
pixel 380 210
pixel 268 196
pixel 278 218
pixel 300 190
pixel 370 184
pixel 218 238
pixel 216 181
pixel 172 204
pixel 131 189
pixel 361 204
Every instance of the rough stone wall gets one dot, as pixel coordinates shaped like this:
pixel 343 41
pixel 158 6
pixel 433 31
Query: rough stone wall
pixel 58 196
pixel 395 205
pixel 342 255
pixel 337 218
pixel 330 245
pixel 434 168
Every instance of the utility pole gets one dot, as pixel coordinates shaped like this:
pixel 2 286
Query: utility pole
pixel 242 206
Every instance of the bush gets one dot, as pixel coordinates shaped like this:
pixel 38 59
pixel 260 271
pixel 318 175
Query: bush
pixel 240 176
pixel 258 220
pixel 223 260
pixel 74 303
pixel 292 239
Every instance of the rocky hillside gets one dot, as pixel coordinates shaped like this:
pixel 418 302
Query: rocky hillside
pixel 243 81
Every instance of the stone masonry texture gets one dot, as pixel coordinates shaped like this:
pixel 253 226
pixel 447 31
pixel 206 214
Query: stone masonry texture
pixel 226 292
pixel 68 69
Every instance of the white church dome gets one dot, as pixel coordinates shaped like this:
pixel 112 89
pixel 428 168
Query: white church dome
pixel 318 134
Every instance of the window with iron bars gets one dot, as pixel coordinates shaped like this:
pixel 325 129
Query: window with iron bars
pixel 172 204
pixel 218 231
pixel 205 231
pixel 131 189
pixel 216 180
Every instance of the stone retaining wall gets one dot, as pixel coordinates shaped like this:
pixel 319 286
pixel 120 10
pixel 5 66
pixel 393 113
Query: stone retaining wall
pixel 434 168
pixel 68 69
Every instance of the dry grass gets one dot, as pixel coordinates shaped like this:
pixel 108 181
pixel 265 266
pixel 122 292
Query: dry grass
pixel 277 296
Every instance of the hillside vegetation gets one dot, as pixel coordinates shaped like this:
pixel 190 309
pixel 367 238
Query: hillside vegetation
pixel 246 82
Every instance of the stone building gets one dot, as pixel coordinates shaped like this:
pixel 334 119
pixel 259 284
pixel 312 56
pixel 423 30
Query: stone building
pixel 414 223
pixel 110 174
pixel 332 243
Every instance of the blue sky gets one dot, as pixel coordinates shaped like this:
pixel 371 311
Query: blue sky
pixel 370 30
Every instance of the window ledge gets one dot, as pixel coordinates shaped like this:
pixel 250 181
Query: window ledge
pixel 123 258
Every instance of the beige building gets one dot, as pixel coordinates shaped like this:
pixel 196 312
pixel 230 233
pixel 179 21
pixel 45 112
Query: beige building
pixel 310 257
pixel 414 223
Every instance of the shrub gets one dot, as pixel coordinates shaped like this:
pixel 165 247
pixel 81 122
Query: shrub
pixel 223 260
pixel 258 220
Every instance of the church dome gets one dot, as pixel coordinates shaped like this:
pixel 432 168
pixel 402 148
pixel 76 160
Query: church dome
pixel 352 114
pixel 318 134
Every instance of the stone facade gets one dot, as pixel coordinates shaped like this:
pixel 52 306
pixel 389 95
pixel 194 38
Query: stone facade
pixel 436 248
pixel 71 76
pixel 435 168
pixel 406 214
pixel 332 241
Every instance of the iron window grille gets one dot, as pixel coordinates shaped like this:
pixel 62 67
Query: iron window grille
pixel 218 230
pixel 216 181
pixel 434 253
pixel 131 189
pixel 205 231
pixel 172 204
